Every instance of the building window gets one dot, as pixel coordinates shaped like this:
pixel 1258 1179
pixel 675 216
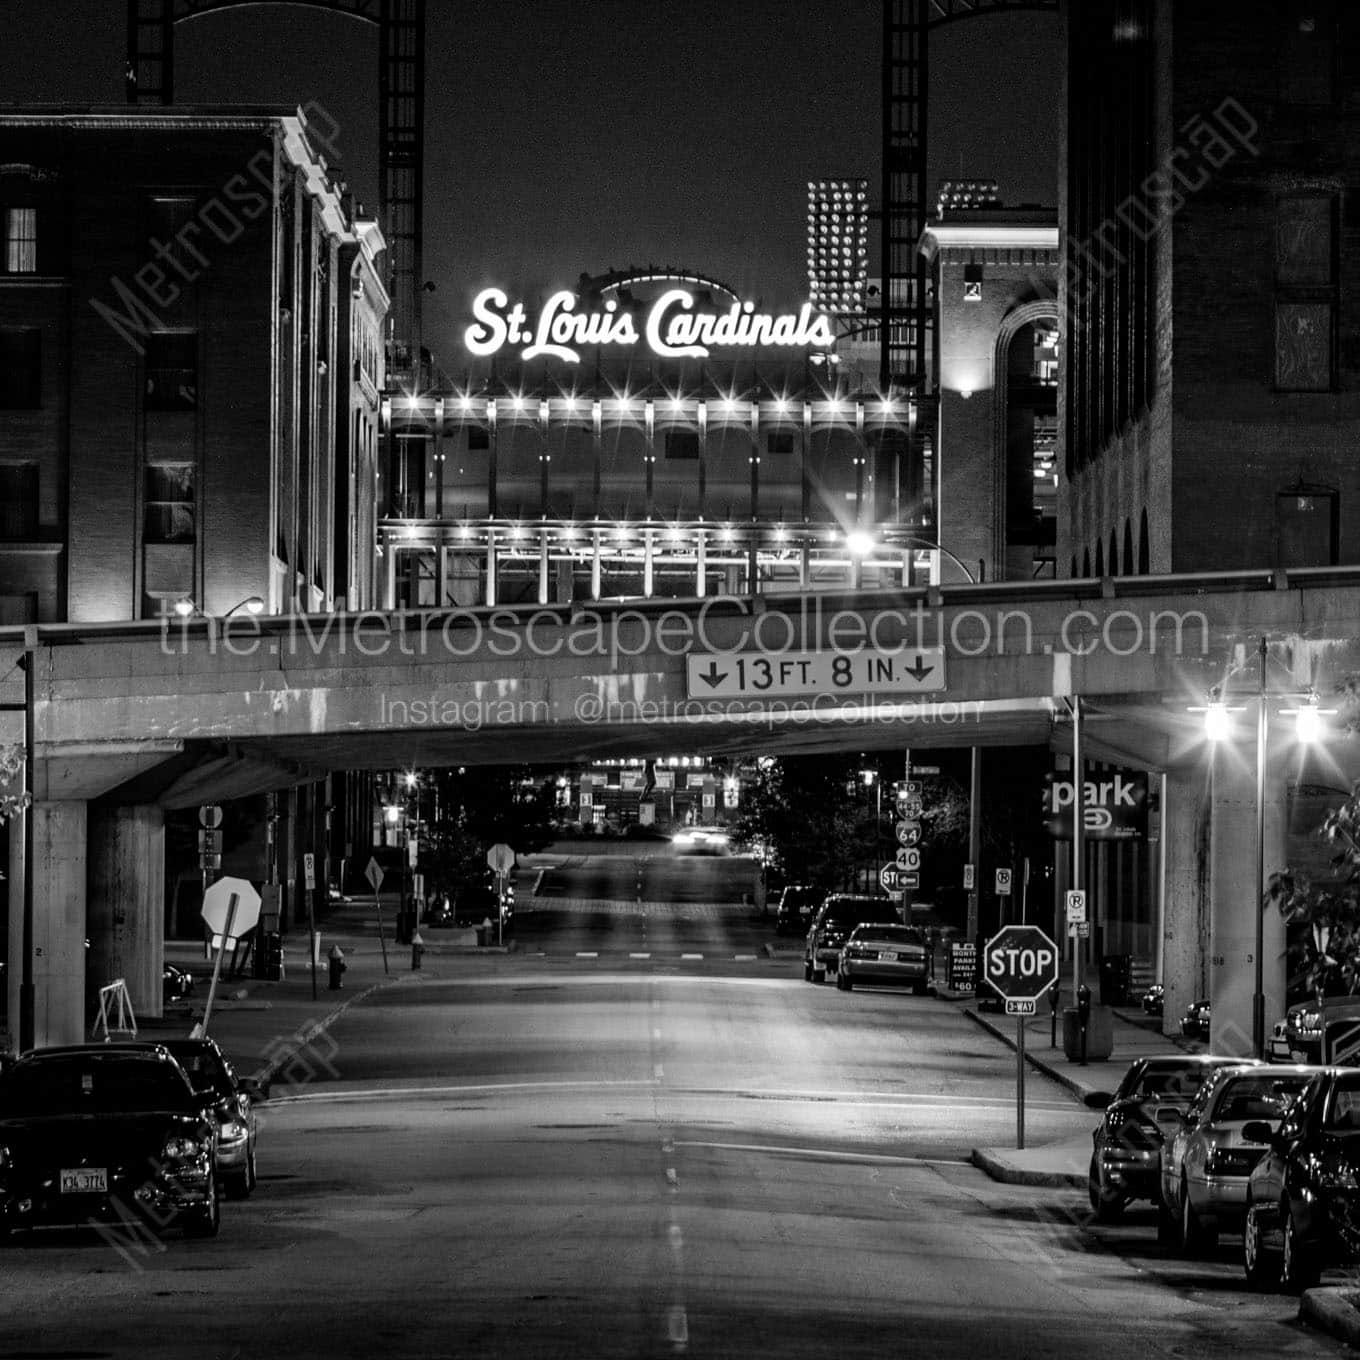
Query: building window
pixel 479 438
pixel 167 218
pixel 1307 52
pixel 21 240
pixel 682 444
pixel 172 371
pixel 1306 522
pixel 20 368
pixel 779 441
pixel 18 502
pixel 1305 293
pixel 168 508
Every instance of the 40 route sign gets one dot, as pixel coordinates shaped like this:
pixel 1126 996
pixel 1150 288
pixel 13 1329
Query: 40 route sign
pixel 1020 963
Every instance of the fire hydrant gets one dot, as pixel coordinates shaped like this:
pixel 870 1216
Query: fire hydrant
pixel 417 949
pixel 336 959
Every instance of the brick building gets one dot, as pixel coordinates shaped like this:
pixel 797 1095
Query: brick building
pixel 1207 155
pixel 190 360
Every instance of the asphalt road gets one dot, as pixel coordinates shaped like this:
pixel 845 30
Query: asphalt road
pixel 548 1155
pixel 651 872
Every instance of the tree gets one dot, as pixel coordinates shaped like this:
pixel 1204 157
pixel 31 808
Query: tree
pixel 1322 920
pixel 11 763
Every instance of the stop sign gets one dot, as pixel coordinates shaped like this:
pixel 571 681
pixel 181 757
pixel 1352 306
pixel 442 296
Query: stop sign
pixel 1020 962
pixel 217 906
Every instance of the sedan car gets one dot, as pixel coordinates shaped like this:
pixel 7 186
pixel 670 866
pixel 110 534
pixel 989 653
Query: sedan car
pixel 798 904
pixel 837 917
pixel 1153 999
pixel 231 1102
pixel 104 1133
pixel 1206 1161
pixel 1126 1151
pixel 1303 1198
pixel 885 955
pixel 1301 1040
pixel 1195 1021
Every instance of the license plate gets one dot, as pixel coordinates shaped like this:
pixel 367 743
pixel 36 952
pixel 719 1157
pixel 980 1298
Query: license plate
pixel 85 1180
pixel 886 956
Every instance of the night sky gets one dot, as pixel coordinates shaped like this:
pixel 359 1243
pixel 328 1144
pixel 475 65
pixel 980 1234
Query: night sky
pixel 569 137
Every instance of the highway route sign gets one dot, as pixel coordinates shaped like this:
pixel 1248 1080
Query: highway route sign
pixel 909 833
pixel 1020 963
pixel 904 672
pixel 908 860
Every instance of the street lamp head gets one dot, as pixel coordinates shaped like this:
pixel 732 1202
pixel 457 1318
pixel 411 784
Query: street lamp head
pixel 411 779
pixel 252 604
pixel 184 607
pixel 393 814
pixel 861 544
pixel 1217 721
pixel 1308 721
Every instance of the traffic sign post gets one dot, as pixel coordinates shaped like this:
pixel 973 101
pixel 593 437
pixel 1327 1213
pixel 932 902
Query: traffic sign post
pixel 309 888
pixel 1020 964
pixel 501 858
pixel 374 873
pixel 231 907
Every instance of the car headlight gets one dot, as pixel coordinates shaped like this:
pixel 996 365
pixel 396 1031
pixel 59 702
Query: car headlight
pixel 4 1157
pixel 180 1149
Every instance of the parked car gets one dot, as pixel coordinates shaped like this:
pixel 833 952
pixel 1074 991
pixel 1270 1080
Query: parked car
pixel 1303 1024
pixel 177 984
pixel 1303 1197
pixel 1206 1161
pixel 1195 1021
pixel 885 955
pixel 1126 1146
pixel 837 917
pixel 104 1132
pixel 1153 999
pixel 231 1101
pixel 798 904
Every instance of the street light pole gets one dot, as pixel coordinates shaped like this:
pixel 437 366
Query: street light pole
pixel 1258 1000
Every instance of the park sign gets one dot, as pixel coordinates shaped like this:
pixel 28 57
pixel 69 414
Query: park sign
pixel 674 326
pixel 1114 806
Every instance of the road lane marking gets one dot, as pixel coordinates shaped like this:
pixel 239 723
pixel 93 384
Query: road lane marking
pixel 587 953
pixel 677 1327
pixel 743 958
pixel 657 1073
pixel 826 1154
pixel 691 956
pixel 639 956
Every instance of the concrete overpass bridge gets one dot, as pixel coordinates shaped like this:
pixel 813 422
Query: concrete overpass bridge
pixel 132 719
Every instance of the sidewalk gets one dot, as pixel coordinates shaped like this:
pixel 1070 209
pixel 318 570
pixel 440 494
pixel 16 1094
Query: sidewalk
pixel 275 1031
pixel 1135 1035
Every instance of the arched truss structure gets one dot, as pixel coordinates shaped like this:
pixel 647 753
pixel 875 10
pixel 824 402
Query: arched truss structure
pixel 906 317
pixel 401 124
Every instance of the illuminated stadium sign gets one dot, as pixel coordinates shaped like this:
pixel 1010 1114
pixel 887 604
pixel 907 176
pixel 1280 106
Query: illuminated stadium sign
pixel 673 327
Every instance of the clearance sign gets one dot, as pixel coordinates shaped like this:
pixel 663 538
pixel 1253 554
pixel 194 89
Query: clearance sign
pixel 1114 807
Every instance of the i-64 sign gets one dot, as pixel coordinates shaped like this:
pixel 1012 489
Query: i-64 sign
pixel 1020 962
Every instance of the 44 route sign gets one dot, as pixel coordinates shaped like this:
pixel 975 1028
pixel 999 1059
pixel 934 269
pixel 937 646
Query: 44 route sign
pixel 1020 963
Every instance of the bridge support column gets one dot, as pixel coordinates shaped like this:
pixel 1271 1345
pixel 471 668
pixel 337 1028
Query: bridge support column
pixel 1185 925
pixel 58 924
pixel 126 884
pixel 1237 900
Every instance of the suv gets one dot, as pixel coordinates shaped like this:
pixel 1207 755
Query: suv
pixel 840 914
pixel 798 904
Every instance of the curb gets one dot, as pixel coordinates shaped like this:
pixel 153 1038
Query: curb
pixel 1331 1311
pixel 1071 1083
pixel 1014 1175
pixel 301 1038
